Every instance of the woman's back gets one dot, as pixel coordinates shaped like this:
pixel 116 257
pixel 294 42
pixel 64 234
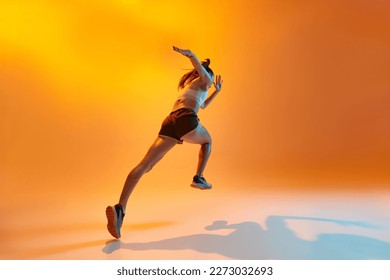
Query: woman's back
pixel 192 96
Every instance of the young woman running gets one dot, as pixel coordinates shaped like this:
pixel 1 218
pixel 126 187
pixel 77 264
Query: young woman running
pixel 182 124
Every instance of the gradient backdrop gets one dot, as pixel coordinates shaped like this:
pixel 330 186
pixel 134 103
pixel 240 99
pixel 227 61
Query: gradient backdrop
pixel 84 86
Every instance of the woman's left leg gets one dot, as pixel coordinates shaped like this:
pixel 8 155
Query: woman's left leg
pixel 116 213
pixel 155 153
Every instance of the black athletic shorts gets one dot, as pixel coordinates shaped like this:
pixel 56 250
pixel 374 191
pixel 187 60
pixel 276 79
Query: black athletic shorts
pixel 179 123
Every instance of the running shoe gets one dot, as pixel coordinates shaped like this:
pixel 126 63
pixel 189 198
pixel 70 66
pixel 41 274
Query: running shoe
pixel 200 182
pixel 115 216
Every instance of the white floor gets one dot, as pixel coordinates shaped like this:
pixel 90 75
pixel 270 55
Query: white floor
pixel 194 224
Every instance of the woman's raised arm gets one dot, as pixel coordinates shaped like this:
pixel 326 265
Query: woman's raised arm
pixel 205 77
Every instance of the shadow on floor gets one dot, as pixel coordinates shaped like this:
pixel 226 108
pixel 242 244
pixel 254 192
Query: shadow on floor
pixel 42 252
pixel 248 240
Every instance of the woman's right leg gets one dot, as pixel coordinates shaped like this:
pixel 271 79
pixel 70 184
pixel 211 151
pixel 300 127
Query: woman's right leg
pixel 201 136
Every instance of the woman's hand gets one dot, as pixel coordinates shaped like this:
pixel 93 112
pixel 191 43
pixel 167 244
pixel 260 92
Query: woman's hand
pixel 186 53
pixel 218 83
pixel 218 86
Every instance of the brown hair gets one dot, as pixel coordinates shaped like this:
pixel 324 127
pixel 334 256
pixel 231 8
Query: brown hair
pixel 193 74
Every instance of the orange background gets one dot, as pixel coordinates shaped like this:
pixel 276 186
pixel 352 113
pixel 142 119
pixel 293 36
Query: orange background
pixel 84 86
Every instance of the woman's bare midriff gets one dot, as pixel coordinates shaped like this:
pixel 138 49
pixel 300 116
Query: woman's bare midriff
pixel 186 103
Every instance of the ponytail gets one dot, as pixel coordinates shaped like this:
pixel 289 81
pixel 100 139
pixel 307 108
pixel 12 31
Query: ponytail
pixel 193 74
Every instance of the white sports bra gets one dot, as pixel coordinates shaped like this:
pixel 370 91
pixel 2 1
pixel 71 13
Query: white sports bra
pixel 198 95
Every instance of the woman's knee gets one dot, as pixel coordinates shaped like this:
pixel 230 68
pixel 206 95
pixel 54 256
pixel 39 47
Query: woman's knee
pixel 139 170
pixel 145 167
pixel 149 167
pixel 208 141
pixel 207 146
pixel 205 139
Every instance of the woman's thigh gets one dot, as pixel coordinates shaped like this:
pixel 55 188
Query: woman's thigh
pixel 159 148
pixel 199 135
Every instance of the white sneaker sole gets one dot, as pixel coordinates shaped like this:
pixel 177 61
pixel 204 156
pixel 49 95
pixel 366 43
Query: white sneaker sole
pixel 112 221
pixel 201 187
